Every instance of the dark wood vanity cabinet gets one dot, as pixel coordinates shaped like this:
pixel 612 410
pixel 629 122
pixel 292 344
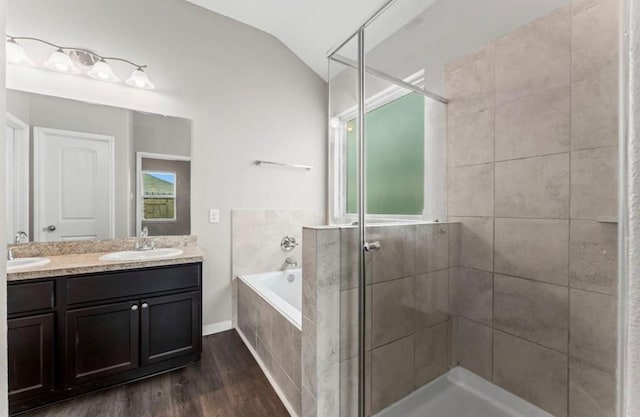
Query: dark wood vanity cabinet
pixel 31 355
pixel 73 335
pixel 102 340
pixel 170 327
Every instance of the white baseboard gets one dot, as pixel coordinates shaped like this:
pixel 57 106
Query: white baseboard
pixel 213 328
pixel 270 378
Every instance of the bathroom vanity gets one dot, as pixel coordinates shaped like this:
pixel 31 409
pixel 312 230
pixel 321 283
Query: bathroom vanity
pixel 78 331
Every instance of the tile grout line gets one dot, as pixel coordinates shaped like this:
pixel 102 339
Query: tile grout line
pixel 407 335
pixel 544 219
pixel 522 158
pixel 526 340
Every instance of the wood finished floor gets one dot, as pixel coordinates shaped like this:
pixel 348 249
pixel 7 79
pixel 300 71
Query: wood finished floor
pixel 226 383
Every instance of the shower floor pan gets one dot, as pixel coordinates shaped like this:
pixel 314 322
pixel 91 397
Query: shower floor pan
pixel 460 393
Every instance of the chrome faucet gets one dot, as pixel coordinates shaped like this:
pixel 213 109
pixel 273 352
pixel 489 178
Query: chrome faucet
pixel 17 240
pixel 144 243
pixel 21 235
pixel 291 262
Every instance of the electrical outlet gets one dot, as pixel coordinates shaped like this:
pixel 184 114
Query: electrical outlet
pixel 214 216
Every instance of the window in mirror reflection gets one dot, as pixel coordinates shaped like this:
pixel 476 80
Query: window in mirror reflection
pixel 159 194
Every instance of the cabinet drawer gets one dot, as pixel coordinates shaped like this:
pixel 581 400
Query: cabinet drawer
pixel 132 283
pixel 33 296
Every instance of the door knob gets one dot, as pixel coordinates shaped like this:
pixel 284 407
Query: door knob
pixel 51 228
pixel 134 307
pixel 145 305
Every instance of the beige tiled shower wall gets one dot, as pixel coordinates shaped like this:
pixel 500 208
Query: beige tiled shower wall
pixel 532 176
pixel 408 328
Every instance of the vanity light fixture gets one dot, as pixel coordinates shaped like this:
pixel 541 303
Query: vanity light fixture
pixel 16 54
pixel 103 72
pixel 65 58
pixel 139 79
pixel 59 61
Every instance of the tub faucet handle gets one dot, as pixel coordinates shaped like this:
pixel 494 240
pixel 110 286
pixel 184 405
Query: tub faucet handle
pixel 288 243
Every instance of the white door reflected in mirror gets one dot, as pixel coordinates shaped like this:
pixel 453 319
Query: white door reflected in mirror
pixel 73 185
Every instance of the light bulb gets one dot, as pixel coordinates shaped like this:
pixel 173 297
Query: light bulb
pixel 103 72
pixel 16 54
pixel 60 62
pixel 139 79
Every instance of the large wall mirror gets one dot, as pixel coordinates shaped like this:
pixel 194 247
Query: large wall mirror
pixel 83 171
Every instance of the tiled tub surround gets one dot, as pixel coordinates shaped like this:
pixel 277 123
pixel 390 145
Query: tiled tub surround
pixel 532 172
pixel 409 330
pixel 255 242
pixel 256 236
pixel 275 340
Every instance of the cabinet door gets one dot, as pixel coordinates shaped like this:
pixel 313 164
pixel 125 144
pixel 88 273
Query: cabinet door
pixel 102 340
pixel 170 327
pixel 30 351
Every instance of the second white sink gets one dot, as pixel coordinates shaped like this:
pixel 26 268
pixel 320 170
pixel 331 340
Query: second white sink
pixel 22 263
pixel 134 255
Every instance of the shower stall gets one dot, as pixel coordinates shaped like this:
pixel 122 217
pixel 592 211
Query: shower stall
pixel 471 268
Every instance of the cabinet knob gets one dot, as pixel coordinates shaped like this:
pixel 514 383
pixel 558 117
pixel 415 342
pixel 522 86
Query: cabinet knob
pixel 134 307
pixel 145 305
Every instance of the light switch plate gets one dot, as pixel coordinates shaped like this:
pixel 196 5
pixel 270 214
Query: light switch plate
pixel 214 216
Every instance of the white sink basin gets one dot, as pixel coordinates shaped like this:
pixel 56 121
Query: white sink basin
pixel 23 263
pixel 134 255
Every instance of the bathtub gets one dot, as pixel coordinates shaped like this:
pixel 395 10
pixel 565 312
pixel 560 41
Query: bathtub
pixel 282 290
pixel 270 323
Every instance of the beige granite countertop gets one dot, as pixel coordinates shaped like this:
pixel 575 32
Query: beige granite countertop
pixel 86 263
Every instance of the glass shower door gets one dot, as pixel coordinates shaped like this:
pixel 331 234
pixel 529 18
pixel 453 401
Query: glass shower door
pixel 394 325
pixel 344 207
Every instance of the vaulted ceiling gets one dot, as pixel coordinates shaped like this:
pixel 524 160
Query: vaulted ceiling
pixel 311 27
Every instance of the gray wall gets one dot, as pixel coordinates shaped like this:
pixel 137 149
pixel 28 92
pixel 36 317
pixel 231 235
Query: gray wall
pixel 160 134
pixel 156 133
pixel 4 410
pixel 249 98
